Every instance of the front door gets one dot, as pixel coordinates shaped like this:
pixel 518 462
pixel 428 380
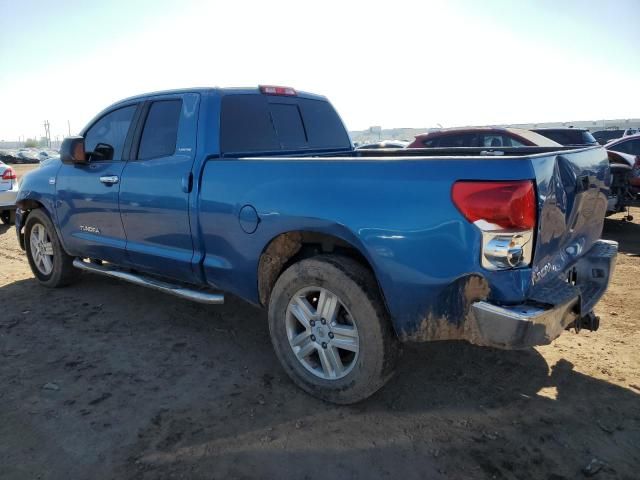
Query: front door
pixel 155 187
pixel 87 195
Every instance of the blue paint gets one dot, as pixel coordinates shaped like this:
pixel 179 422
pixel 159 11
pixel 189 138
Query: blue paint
pixel 204 217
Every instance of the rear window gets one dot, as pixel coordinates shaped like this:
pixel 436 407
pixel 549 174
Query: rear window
pixel 287 122
pixel 261 123
pixel 604 136
pixel 588 138
pixel 568 137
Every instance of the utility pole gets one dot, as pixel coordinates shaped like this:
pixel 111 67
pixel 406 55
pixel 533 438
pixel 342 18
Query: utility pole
pixel 47 132
pixel 69 127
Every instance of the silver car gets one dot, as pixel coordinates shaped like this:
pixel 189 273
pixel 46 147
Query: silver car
pixel 8 192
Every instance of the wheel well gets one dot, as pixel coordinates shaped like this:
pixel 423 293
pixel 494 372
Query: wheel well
pixel 291 247
pixel 29 204
pixel 26 206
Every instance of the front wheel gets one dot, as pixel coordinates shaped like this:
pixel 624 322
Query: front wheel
pixel 330 329
pixel 48 261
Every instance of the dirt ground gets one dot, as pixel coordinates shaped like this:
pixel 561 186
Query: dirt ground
pixel 106 380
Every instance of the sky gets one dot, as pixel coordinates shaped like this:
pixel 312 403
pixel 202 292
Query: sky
pixel 390 63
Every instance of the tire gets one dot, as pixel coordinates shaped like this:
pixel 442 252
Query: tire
pixel 41 240
pixel 309 354
pixel 8 217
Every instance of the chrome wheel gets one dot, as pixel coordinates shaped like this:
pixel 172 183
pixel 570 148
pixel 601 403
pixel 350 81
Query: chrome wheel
pixel 322 333
pixel 41 249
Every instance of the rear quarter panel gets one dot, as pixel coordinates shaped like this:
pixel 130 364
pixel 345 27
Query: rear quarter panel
pixel 398 213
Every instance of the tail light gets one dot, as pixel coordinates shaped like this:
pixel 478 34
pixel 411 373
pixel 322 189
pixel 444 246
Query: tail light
pixel 505 212
pixel 273 90
pixel 9 174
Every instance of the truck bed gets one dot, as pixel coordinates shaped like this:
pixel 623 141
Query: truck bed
pixel 395 207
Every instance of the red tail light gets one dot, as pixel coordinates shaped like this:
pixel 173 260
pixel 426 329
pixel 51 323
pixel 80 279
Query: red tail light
pixel 9 174
pixel 510 205
pixel 273 90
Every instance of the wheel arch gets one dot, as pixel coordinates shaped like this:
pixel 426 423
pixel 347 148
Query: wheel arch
pixel 25 207
pixel 290 247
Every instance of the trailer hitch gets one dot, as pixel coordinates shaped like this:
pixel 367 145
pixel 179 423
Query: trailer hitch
pixel 590 321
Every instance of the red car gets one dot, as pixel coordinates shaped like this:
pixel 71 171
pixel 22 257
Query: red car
pixel 490 137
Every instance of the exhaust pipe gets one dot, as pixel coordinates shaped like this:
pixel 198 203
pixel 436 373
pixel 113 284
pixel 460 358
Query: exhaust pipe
pixel 590 322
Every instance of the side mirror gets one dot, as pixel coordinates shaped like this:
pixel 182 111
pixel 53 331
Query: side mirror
pixel 72 151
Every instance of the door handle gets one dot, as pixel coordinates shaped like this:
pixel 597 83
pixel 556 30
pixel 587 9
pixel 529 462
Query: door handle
pixel 109 179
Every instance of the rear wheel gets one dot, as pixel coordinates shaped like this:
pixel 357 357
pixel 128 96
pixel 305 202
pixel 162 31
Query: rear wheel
pixel 48 261
pixel 330 329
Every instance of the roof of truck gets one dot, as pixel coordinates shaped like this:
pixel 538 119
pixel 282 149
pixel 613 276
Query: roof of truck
pixel 219 90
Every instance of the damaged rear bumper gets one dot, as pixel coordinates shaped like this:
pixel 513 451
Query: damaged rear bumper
pixel 551 308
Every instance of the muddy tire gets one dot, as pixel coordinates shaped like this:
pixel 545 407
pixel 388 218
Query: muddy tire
pixel 49 262
pixel 330 329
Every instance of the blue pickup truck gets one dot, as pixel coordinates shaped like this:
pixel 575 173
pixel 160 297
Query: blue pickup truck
pixel 258 192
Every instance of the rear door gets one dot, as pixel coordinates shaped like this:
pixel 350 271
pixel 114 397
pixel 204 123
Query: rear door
pixel 156 185
pixel 87 195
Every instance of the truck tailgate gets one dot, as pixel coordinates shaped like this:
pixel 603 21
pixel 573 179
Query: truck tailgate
pixel 572 201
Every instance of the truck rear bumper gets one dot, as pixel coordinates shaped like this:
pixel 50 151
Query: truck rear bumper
pixel 551 308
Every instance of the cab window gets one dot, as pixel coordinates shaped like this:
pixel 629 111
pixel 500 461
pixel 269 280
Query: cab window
pixel 160 132
pixel 105 139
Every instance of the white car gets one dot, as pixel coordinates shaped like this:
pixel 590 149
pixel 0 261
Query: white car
pixel 8 193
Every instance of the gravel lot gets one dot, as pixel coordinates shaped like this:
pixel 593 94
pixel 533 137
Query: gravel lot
pixel 107 380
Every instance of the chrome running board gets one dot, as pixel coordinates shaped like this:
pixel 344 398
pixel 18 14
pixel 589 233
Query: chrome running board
pixel 170 288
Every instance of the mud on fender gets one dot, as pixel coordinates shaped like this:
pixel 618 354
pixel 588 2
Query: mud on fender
pixel 449 317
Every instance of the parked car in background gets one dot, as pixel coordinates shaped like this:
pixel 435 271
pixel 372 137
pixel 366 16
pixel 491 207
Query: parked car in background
pixel 49 159
pixel 605 136
pixel 489 137
pixel 631 131
pixel 568 136
pixel 626 151
pixel 383 144
pixel 629 144
pixel 43 155
pixel 625 183
pixel 620 196
pixel 624 157
pixel 8 193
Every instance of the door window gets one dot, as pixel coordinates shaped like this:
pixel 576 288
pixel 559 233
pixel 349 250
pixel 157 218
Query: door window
pixel 498 140
pixel 457 140
pixel 160 130
pixel 631 146
pixel 105 139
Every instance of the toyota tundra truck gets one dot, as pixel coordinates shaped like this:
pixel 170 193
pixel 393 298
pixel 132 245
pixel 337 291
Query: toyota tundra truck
pixel 258 192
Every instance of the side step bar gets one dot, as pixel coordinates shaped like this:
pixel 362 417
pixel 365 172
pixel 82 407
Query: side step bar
pixel 170 288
